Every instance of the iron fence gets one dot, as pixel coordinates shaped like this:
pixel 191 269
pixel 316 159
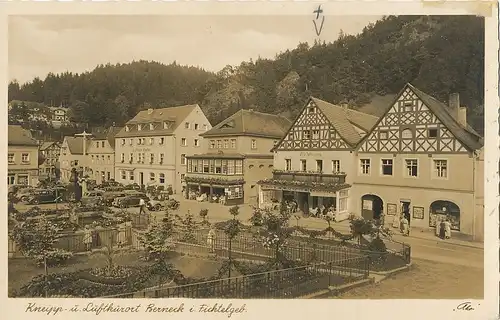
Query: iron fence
pixel 285 283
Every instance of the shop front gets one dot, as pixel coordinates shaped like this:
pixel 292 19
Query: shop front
pixel 227 192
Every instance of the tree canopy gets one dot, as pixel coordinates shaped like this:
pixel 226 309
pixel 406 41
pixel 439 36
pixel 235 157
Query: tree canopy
pixel 438 54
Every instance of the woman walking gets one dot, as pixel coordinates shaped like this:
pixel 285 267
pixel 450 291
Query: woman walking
pixel 405 226
pixel 447 229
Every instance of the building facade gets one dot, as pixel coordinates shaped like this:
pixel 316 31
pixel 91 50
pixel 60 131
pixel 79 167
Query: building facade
pixel 314 160
pixel 238 156
pixel 74 156
pixel 50 152
pixel 102 154
pixel 152 147
pixel 424 161
pixel 420 160
pixel 22 157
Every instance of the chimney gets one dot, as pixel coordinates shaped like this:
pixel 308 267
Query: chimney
pixel 460 113
pixel 150 110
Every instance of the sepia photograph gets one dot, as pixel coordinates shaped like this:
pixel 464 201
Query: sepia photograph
pixel 303 156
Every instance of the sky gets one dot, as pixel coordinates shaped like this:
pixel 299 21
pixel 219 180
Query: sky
pixel 41 44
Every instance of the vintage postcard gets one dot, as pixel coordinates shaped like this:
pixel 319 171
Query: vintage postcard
pixel 197 159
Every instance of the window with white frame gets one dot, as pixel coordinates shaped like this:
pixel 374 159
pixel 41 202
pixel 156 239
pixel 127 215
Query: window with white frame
pixel 183 176
pixel 432 133
pixel 383 135
pixel 123 142
pixel 411 167
pixel 162 141
pixel 131 176
pixel 387 167
pixel 254 144
pixel 130 141
pixel 408 106
pixel 139 127
pixel 230 167
pixel 25 157
pixel 161 156
pixel 127 128
pixel 196 142
pixel 319 165
pixel 306 134
pixel 233 143
pixel 131 158
pixel 152 158
pixel 239 167
pixel 303 165
pixel 10 157
pixel 151 126
pixel 123 174
pixel 335 166
pixel 315 134
pixel 212 144
pixel 440 168
pixel 97 144
pixel 186 125
pixel 205 127
pixel 183 142
pixel 206 167
pixel 151 141
pixel 109 159
pixel 407 134
pixel 183 159
pixel 365 166
pixel 226 144
pixel 122 157
pixel 196 126
pixel 343 196
pixel 162 178
pixel 139 141
pixel 288 164
pixel 219 144
pixel 102 144
pixel 152 177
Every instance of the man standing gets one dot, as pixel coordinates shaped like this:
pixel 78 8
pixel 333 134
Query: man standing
pixel 142 206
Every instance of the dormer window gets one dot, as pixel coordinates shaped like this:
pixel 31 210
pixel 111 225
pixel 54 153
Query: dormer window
pixel 165 125
pixel 151 126
pixel 127 128
pixel 139 127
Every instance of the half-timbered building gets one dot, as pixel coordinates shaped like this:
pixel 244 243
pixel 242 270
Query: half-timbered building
pixel 314 160
pixel 422 160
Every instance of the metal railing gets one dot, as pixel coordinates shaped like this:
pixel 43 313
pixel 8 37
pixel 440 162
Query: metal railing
pixel 285 283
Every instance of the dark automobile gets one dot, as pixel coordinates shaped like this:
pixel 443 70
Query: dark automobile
pixel 133 186
pixel 130 201
pixel 44 196
pixel 110 196
pixel 94 197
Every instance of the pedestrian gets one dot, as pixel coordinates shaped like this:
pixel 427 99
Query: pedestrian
pixel 142 206
pixel 438 226
pixel 447 229
pixel 405 226
pixel 442 229
pixel 87 238
pixel 211 239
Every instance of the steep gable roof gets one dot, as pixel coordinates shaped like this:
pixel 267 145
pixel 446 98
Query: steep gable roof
pixel 250 122
pixel 75 144
pixel 344 120
pixel 107 134
pixel 176 115
pixel 18 136
pixel 48 144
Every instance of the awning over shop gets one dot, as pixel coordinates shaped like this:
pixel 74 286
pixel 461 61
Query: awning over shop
pixel 323 194
pixel 316 189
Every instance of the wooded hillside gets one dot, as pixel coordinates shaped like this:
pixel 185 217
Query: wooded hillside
pixel 438 54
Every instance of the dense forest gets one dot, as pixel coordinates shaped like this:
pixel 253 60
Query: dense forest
pixel 438 54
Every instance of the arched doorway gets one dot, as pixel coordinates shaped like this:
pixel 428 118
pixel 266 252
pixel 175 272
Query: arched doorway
pixel 372 207
pixel 441 209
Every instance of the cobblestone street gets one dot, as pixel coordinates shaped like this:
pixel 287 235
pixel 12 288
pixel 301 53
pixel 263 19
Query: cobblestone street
pixel 426 280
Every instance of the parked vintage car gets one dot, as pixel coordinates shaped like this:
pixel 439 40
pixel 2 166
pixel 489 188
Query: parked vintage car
pixel 24 193
pixel 110 196
pixel 94 197
pixel 44 196
pixel 130 200
pixel 133 186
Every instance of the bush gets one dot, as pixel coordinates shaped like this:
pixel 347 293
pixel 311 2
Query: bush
pixel 204 214
pixel 54 258
pixel 377 245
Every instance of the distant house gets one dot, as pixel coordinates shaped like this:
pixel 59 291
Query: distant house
pixel 50 152
pixel 22 157
pixel 74 155
pixel 152 148
pixel 238 156
pixel 102 154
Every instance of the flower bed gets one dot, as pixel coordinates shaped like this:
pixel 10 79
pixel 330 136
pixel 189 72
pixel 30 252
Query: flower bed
pixel 116 275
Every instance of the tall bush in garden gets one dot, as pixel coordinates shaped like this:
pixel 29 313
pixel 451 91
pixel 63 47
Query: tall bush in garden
pixel 361 227
pixel 276 232
pixel 231 229
pixel 36 238
pixel 189 226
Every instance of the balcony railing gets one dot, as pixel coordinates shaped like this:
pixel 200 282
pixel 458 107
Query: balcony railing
pixel 309 176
